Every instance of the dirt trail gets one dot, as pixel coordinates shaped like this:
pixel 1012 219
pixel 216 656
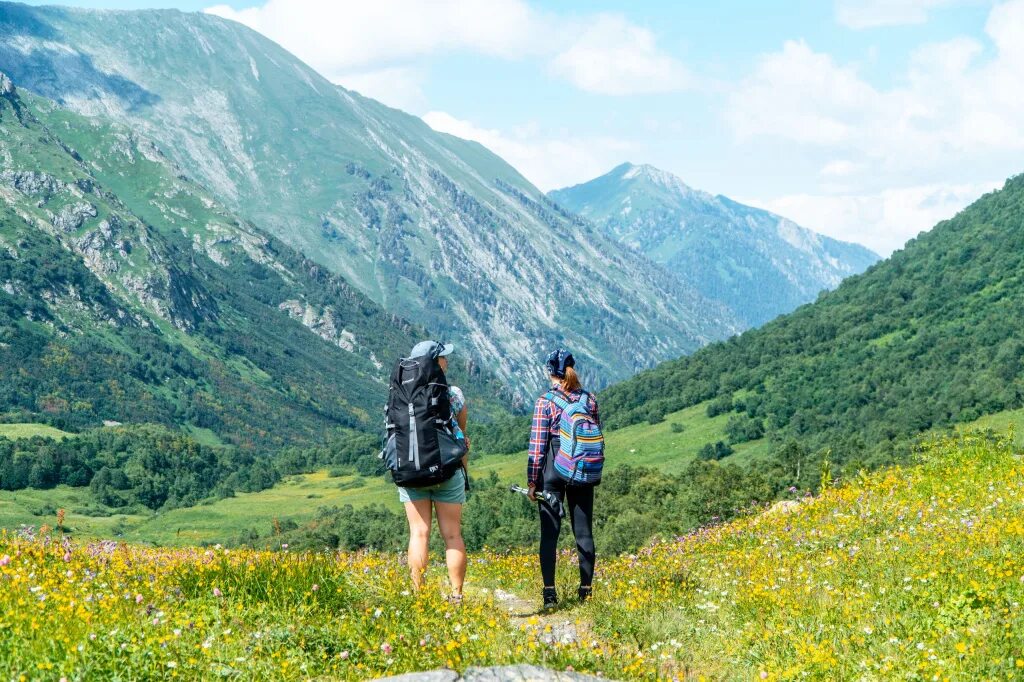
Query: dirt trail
pixel 553 625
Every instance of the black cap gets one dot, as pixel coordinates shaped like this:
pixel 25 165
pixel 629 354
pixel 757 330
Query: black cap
pixel 558 360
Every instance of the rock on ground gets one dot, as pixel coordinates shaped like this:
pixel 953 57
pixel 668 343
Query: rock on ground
pixel 505 673
pixel 429 676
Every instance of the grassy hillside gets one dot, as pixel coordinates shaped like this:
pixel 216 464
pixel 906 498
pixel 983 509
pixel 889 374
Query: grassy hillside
pixel 15 431
pixel 928 338
pixel 296 499
pixel 908 573
pixel 83 516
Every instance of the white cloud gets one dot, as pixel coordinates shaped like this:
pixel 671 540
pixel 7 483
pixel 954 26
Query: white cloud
pixel 882 221
pixel 800 94
pixel 956 115
pixel 951 101
pixel 858 14
pixel 613 57
pixel 548 159
pixel 355 43
pixel 838 168
pixel 337 37
pixel 396 86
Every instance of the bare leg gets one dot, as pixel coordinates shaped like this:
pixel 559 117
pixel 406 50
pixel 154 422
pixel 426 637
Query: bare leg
pixel 418 513
pixel 449 520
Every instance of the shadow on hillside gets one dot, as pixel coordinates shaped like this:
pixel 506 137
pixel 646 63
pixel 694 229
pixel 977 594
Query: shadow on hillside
pixel 32 54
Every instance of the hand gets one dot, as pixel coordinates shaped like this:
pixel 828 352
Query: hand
pixel 468 444
pixel 532 494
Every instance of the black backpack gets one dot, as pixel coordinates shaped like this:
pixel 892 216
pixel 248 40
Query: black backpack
pixel 420 449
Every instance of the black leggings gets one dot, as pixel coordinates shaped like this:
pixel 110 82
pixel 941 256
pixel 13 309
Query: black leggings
pixel 579 507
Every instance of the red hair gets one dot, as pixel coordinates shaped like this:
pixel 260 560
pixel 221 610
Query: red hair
pixel 571 381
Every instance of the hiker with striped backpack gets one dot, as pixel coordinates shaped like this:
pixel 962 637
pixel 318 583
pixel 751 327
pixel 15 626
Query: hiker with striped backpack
pixel 566 458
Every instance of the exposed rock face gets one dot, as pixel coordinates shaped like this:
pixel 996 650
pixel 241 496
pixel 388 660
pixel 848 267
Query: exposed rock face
pixel 6 86
pixel 73 216
pixel 505 673
pixel 324 324
pixel 31 183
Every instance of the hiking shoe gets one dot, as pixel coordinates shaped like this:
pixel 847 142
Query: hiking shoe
pixel 455 599
pixel 584 593
pixel 550 598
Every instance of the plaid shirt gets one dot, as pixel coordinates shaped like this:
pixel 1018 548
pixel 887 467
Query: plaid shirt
pixel 546 416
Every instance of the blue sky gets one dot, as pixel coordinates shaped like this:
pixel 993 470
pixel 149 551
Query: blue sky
pixel 868 120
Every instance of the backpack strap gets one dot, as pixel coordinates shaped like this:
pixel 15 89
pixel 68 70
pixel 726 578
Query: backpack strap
pixel 557 399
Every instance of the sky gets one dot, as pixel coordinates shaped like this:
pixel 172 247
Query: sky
pixel 866 120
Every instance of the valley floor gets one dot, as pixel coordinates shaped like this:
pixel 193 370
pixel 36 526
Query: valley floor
pixel 669 445
pixel 909 573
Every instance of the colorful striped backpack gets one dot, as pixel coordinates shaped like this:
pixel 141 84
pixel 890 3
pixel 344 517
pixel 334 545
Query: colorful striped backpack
pixel 580 455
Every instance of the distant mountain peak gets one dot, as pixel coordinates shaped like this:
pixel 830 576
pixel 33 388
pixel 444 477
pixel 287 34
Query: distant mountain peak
pixel 758 263
pixel 648 172
pixel 658 178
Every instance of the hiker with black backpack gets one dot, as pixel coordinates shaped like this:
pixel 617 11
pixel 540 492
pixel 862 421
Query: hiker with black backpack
pixel 426 450
pixel 566 458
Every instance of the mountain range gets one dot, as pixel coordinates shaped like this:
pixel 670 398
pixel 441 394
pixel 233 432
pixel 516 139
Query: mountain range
pixel 432 228
pixel 759 264
pixel 200 230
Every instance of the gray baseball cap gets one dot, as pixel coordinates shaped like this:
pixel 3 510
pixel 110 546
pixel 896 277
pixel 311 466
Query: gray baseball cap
pixel 431 348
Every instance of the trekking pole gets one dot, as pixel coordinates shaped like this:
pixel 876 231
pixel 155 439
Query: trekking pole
pixel 550 499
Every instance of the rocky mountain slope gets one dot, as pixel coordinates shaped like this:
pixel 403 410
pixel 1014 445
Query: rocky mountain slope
pixel 433 228
pixel 128 293
pixel 760 264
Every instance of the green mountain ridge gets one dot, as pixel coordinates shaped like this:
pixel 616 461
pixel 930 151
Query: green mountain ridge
pixel 928 338
pixel 127 293
pixel 433 228
pixel 759 264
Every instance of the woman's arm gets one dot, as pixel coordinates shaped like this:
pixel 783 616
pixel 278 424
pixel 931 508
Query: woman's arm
pixel 540 430
pixel 461 419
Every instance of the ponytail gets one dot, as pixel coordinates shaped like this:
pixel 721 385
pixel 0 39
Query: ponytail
pixel 571 381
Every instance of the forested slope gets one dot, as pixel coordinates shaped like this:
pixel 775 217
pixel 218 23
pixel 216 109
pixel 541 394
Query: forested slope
pixel 930 337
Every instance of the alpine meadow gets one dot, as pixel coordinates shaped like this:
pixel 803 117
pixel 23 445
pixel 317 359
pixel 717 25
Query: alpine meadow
pixel 259 328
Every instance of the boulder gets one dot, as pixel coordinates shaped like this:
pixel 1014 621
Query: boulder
pixel 427 676
pixel 523 673
pixel 783 507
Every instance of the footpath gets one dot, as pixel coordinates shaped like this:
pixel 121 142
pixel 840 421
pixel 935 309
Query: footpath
pixel 555 626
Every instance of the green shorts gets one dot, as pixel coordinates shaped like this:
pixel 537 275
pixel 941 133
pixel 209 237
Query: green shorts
pixel 452 491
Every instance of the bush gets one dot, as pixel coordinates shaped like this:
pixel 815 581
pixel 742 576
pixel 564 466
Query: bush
pixel 656 415
pixel 741 429
pixel 719 406
pixel 714 451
